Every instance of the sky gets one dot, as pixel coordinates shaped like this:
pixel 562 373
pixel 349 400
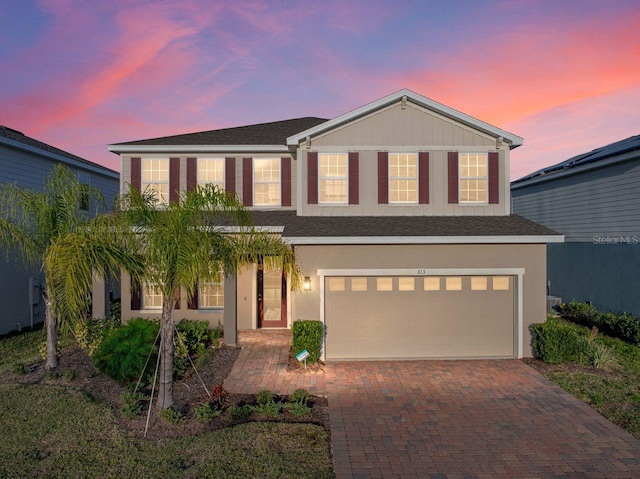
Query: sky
pixel 80 75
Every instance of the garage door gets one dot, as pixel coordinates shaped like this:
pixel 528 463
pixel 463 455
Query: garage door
pixel 419 317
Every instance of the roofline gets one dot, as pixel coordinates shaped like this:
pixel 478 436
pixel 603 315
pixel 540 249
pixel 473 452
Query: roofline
pixel 355 240
pixel 86 164
pixel 423 101
pixel 124 148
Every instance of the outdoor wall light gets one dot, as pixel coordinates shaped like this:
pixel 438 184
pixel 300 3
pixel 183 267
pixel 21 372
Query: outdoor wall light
pixel 307 283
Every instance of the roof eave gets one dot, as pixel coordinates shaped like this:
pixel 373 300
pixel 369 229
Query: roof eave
pixel 124 148
pixel 480 239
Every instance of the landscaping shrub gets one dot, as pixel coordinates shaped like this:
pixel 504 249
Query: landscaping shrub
pixel 115 310
pixel 90 332
pixel 240 412
pixel 264 397
pixel 298 409
pixel 19 368
pixel 300 396
pixel 124 351
pixel 171 415
pixel 556 342
pixel 195 334
pixel 219 395
pixel 271 409
pixel 207 411
pixel 307 335
pixel 132 403
pixel 623 326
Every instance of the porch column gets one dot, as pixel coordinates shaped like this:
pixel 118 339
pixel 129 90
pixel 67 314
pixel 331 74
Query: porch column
pixel 99 298
pixel 230 322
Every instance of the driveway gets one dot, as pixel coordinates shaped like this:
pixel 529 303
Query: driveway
pixel 445 419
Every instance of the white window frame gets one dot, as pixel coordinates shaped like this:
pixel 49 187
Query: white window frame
pixel 220 183
pixel 265 182
pixel 145 184
pixel 218 284
pixel 145 295
pixel 322 178
pixel 403 178
pixel 484 178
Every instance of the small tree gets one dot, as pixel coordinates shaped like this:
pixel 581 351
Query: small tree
pixel 192 240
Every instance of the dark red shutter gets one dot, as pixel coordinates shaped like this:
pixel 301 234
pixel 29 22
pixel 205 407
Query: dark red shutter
pixel 494 178
pixel 192 173
pixel 312 178
pixel 247 181
pixel 452 160
pixel 423 177
pixel 383 177
pixel 174 179
pixel 230 175
pixel 193 299
pixel 136 173
pixel 285 165
pixel 354 178
pixel 136 293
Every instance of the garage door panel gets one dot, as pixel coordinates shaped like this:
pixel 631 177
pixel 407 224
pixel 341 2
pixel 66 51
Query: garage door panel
pixel 419 324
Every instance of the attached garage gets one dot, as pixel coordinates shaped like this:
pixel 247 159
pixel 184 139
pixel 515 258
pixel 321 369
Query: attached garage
pixel 453 315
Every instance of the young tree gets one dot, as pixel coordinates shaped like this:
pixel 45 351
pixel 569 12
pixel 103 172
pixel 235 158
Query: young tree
pixel 191 240
pixel 47 229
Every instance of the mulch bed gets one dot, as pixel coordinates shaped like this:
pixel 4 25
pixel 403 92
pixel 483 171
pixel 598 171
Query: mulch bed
pixel 188 394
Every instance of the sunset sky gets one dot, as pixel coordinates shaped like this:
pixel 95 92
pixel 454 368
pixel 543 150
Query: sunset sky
pixel 565 75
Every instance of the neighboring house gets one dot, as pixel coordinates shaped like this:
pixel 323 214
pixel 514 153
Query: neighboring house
pixel 399 213
pixel 594 200
pixel 27 162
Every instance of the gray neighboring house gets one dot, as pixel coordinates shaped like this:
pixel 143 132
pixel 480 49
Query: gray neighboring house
pixel 26 162
pixel 593 199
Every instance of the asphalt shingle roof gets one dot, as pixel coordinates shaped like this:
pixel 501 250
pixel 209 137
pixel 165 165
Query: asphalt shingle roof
pixel 274 133
pixel 383 226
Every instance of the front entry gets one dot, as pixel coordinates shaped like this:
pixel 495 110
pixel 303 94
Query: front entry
pixel 272 298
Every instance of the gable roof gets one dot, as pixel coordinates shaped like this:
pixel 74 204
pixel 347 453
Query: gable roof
pixel 613 152
pixel 17 139
pixel 513 140
pixel 273 135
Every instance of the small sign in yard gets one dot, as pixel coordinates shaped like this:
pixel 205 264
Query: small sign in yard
pixel 302 356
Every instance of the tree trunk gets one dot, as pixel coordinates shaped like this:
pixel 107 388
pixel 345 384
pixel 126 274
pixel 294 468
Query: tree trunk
pixel 52 335
pixel 165 388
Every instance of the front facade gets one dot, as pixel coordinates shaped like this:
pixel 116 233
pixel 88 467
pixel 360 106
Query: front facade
pixel 593 200
pixel 26 162
pixel 399 214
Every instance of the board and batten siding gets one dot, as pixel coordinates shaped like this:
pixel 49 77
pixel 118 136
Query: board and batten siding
pixel 599 202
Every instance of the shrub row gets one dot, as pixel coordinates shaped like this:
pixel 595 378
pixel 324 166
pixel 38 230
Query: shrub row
pixel 307 335
pixel 623 326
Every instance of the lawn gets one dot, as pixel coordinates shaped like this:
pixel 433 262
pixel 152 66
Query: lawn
pixel 54 430
pixel 614 391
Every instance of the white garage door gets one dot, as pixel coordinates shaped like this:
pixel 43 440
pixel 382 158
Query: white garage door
pixel 419 317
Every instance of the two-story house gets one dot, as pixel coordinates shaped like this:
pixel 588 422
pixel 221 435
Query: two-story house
pixel 399 213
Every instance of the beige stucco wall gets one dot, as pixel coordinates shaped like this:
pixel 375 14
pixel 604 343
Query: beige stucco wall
pixel 530 257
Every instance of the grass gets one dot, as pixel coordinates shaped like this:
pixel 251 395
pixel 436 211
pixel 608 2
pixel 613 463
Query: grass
pixel 51 431
pixel 615 394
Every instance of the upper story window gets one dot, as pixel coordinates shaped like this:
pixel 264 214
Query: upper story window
pixel 155 177
pixel 266 181
pixel 403 178
pixel 473 178
pixel 332 178
pixel 211 171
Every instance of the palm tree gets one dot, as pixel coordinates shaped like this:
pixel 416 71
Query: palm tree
pixel 192 240
pixel 47 228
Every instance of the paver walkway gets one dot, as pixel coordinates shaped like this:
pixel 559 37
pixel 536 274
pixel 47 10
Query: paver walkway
pixel 445 419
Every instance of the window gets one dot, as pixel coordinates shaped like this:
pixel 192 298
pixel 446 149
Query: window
pixel 478 283
pixel 453 283
pixel 358 284
pixel 501 283
pixel 266 181
pixel 151 296
pixel 211 294
pixel 332 178
pixel 384 284
pixel 406 284
pixel 432 284
pixel 403 178
pixel 473 177
pixel 336 284
pixel 155 177
pixel 211 171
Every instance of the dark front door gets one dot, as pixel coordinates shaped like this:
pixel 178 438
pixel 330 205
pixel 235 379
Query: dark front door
pixel 272 298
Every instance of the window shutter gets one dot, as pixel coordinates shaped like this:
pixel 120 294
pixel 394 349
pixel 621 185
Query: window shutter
pixel 176 303
pixel 354 178
pixel 136 173
pixel 383 177
pixel 230 175
pixel 452 159
pixel 136 293
pixel 247 181
pixel 312 177
pixel 423 177
pixel 494 178
pixel 192 173
pixel 285 183
pixel 193 299
pixel 174 179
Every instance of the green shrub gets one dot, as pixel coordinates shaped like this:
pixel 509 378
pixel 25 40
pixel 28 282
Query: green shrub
pixel 307 335
pixel 124 351
pixel 181 361
pixel 90 332
pixel 556 342
pixel 115 310
pixel 623 326
pixel 600 356
pixel 19 368
pixel 171 415
pixel 207 411
pixel 580 313
pixel 264 397
pixel 240 412
pixel 50 375
pixel 70 375
pixel 298 408
pixel 300 396
pixel 132 403
pixel 195 334
pixel 271 409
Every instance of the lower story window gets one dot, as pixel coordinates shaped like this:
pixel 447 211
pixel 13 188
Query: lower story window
pixel 211 295
pixel 151 297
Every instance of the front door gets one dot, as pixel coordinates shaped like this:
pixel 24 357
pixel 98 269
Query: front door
pixel 272 298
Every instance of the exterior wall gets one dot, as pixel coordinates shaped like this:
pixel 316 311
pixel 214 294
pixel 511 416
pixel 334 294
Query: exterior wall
pixel 599 202
pixel 531 257
pixel 247 301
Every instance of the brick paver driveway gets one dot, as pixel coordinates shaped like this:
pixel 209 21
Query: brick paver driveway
pixel 446 419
